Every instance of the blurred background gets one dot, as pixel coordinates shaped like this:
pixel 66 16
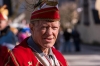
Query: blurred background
pixel 79 36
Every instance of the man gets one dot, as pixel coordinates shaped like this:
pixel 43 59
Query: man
pixel 38 50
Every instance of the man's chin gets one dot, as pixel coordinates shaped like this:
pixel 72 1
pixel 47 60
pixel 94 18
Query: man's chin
pixel 48 46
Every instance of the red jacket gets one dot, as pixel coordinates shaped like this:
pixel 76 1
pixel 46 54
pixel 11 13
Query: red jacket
pixel 22 55
pixel 3 54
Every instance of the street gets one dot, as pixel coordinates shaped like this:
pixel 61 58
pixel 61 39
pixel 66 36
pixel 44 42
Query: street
pixel 89 56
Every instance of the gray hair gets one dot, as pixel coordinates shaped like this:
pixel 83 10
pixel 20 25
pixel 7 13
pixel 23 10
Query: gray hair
pixel 38 21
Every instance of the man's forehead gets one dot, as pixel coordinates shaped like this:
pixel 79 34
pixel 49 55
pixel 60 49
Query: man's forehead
pixel 48 23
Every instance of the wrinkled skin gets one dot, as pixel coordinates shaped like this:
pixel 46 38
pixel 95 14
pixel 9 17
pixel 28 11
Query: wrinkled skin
pixel 45 33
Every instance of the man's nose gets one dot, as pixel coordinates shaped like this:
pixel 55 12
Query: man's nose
pixel 49 31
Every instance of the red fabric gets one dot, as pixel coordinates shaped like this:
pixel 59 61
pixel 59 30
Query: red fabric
pixel 24 54
pixel 60 57
pixel 1 17
pixel 3 54
pixel 46 13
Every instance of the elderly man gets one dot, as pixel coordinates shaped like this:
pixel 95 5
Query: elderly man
pixel 38 50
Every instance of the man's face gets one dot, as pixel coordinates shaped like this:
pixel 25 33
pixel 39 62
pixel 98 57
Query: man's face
pixel 45 33
pixel 3 24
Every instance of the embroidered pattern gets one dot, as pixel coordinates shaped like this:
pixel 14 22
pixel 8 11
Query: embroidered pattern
pixel 7 61
pixel 29 63
pixel 14 59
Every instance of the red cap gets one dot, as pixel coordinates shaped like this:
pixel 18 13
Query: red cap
pixel 51 13
pixel 2 17
pixel 3 13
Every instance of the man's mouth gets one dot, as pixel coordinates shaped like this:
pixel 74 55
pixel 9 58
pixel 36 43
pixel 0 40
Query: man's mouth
pixel 48 39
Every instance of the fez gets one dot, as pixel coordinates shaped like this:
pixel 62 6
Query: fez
pixel 1 17
pixel 51 13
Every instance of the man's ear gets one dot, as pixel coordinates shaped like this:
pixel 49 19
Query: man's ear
pixel 31 26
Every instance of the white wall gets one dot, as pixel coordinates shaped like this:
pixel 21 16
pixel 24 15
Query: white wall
pixel 89 33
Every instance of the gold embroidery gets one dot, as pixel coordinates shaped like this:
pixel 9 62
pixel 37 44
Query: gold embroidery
pixel 7 61
pixel 29 63
pixel 8 50
pixel 37 64
pixel 14 58
pixel 61 63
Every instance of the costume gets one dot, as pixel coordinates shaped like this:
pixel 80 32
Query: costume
pixel 22 55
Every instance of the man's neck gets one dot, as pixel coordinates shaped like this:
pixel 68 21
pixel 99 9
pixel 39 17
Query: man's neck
pixel 45 51
pixel 37 47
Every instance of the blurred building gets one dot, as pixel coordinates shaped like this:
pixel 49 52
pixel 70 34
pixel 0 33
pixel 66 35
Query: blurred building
pixel 89 20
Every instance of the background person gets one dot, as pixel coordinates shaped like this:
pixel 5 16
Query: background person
pixel 67 44
pixel 76 40
pixel 7 37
